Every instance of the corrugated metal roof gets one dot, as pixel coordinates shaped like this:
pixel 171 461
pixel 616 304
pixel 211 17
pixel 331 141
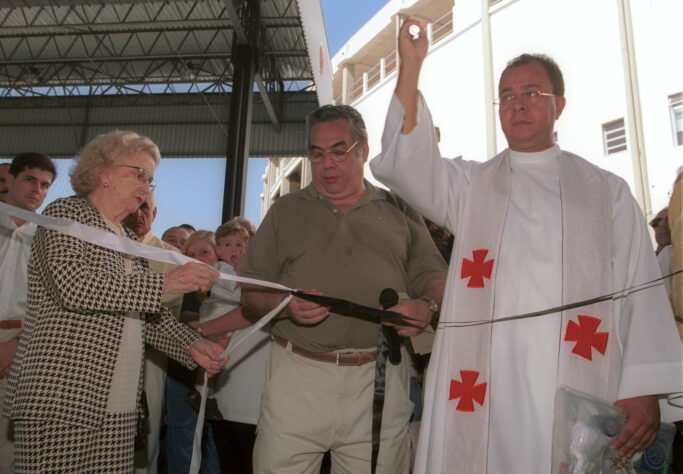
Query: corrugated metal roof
pixel 57 43
pixel 106 62
pixel 182 125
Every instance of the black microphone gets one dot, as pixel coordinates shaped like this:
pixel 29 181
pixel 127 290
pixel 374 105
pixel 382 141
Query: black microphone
pixel 388 298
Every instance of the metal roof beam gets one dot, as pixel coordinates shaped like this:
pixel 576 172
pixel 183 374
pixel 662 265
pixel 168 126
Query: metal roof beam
pixel 133 27
pixel 115 59
pixel 242 39
pixel 103 28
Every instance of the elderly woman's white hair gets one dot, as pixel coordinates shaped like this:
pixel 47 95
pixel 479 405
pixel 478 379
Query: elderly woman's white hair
pixel 108 150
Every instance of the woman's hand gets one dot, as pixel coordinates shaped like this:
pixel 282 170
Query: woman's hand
pixel 190 277
pixel 208 355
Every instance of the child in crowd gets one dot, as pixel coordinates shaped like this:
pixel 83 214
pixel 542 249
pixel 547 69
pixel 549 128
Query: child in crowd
pixel 231 243
pixel 180 419
pixel 221 307
pixel 239 386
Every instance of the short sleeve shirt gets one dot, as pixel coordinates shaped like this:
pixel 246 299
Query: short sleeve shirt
pixel 305 241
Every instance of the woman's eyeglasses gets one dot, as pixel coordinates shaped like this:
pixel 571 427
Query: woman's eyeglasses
pixel 142 176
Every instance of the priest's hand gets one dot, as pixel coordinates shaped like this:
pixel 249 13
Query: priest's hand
pixel 419 310
pixel 307 312
pixel 412 52
pixel 640 431
pixel 208 355
pixel 412 42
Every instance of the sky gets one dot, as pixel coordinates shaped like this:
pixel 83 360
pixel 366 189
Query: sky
pixel 190 190
pixel 344 17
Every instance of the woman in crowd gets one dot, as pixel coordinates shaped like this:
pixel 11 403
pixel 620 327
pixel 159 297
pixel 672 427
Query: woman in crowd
pixel 74 389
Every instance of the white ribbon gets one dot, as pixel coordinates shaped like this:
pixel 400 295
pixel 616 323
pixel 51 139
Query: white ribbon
pixel 196 461
pixel 112 241
pixel 131 247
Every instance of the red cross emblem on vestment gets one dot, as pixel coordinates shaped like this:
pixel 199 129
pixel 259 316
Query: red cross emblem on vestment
pixel 586 336
pixel 467 391
pixel 476 269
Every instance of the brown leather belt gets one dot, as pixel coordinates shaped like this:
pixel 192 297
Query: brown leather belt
pixel 10 324
pixel 339 358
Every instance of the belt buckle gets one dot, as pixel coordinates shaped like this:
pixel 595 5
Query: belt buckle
pixel 338 358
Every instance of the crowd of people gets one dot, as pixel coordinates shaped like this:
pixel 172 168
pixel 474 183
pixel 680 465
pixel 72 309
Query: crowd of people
pixel 103 353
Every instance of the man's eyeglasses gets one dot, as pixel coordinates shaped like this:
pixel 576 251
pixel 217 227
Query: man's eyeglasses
pixel 528 97
pixel 142 176
pixel 337 154
pixel 654 223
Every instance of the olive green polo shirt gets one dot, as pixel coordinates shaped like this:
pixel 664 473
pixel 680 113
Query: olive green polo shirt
pixel 305 241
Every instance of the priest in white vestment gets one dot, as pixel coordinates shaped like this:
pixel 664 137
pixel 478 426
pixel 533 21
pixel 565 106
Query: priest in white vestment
pixel 535 228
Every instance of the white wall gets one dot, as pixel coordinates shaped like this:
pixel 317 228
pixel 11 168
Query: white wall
pixel 583 36
pixel 657 27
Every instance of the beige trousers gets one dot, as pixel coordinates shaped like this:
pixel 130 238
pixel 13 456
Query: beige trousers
pixel 310 407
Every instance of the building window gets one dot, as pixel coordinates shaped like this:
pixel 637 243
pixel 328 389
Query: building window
pixel 614 136
pixel 676 110
pixel 294 180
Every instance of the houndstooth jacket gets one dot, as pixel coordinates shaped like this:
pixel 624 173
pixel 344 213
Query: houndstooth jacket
pixel 78 295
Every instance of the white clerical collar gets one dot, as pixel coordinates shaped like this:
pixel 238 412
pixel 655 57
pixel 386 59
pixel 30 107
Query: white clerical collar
pixel 535 157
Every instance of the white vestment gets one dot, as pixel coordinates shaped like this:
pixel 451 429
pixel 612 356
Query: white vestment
pixel 664 260
pixel 524 353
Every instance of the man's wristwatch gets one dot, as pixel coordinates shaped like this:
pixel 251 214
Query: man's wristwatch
pixel 433 305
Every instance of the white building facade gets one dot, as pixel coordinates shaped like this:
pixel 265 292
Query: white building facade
pixel 623 80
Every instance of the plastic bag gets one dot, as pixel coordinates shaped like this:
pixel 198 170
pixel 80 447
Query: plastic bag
pixel 585 426
pixel 583 430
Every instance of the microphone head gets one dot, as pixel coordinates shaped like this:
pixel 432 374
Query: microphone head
pixel 388 298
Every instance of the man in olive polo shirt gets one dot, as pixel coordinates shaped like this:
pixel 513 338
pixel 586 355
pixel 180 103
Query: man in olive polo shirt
pixel 345 238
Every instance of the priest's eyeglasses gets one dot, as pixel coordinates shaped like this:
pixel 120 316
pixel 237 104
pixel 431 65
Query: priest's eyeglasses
pixel 142 176
pixel 338 154
pixel 528 97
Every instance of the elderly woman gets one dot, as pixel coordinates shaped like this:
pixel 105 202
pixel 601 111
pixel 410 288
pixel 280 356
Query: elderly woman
pixel 74 388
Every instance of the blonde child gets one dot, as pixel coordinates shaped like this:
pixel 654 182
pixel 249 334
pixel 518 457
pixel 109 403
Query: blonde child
pixel 180 418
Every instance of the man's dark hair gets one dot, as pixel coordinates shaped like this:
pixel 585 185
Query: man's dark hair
pixel 187 227
pixel 28 160
pixel 550 66
pixel 330 113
